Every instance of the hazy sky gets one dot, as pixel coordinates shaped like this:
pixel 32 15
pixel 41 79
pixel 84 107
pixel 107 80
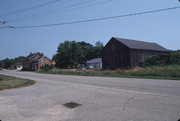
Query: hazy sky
pixel 162 27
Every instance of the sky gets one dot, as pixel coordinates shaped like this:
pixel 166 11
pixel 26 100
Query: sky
pixel 162 27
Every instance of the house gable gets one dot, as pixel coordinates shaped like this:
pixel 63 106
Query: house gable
pixel 35 61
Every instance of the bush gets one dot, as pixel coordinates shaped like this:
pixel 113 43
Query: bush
pixel 172 58
pixel 46 68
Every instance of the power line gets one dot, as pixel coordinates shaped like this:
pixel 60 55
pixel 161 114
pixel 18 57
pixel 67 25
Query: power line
pixel 63 9
pixel 96 19
pixel 28 9
pixel 38 15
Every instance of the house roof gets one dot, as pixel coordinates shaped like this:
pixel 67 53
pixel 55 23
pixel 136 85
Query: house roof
pixel 43 57
pixel 95 60
pixel 31 55
pixel 134 44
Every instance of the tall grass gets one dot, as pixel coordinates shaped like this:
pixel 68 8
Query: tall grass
pixel 172 71
pixel 159 72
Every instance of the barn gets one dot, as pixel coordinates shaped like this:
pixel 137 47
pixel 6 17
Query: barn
pixel 125 53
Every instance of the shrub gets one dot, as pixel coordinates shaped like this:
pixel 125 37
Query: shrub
pixel 172 58
pixel 46 68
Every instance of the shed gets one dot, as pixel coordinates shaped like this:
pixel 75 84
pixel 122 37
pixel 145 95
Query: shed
pixel 95 63
pixel 125 53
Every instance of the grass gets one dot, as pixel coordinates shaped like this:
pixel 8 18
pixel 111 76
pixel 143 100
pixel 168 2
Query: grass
pixel 153 72
pixel 7 82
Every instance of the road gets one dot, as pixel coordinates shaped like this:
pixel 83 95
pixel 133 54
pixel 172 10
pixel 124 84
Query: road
pixel 101 99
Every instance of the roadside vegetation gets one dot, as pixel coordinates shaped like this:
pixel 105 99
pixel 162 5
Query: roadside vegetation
pixel 7 82
pixel 71 54
pixel 153 72
pixel 163 66
pixel 7 63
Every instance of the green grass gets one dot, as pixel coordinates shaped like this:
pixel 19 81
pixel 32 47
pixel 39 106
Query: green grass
pixel 153 72
pixel 7 82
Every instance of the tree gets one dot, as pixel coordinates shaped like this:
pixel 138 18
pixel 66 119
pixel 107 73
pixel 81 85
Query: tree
pixel 1 63
pixel 97 49
pixel 69 53
pixel 91 51
pixel 170 58
pixel 19 59
pixel 6 63
pixel 87 50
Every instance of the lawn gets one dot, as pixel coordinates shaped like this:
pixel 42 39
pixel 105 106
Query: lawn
pixel 7 82
pixel 151 72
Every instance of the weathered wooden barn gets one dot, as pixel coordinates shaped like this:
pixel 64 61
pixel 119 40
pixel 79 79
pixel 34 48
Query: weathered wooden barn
pixel 125 53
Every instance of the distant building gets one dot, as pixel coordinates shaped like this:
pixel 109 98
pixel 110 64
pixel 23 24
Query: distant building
pixel 125 53
pixel 95 63
pixel 18 66
pixel 34 61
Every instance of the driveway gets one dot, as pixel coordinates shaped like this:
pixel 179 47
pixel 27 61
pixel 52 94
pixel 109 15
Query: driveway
pixel 101 99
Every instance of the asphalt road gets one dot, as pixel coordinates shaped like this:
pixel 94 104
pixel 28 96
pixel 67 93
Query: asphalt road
pixel 102 99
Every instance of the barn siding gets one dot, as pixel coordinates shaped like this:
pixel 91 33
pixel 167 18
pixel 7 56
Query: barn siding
pixel 115 55
pixel 138 56
pixel 118 55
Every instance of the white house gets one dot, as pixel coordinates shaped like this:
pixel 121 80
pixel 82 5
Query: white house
pixel 95 63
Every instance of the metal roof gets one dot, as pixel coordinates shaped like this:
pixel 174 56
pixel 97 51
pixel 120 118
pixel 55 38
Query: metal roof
pixel 134 44
pixel 95 60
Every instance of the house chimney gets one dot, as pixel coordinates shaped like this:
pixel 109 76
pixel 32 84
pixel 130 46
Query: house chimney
pixel 30 53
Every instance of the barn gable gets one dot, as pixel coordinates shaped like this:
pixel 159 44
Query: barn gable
pixel 125 53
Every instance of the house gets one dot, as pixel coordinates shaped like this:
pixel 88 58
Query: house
pixel 125 53
pixel 95 63
pixel 34 61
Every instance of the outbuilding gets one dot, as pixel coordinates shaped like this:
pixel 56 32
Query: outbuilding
pixel 95 63
pixel 125 53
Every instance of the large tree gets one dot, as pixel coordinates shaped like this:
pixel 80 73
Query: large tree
pixel 69 53
pixel 6 63
pixel 97 49
pixel 19 59
pixel 87 50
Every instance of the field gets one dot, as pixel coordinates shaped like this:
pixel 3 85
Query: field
pixel 7 82
pixel 152 72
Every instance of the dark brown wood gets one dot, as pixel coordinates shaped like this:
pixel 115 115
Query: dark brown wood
pixel 117 55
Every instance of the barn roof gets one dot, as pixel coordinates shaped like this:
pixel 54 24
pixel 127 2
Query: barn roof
pixel 134 44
